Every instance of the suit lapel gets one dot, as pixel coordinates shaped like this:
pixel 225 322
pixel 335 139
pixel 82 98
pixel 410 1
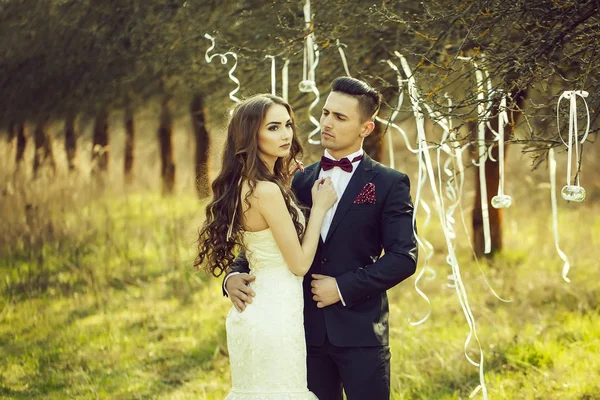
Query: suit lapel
pixel 364 174
pixel 306 182
pixel 304 186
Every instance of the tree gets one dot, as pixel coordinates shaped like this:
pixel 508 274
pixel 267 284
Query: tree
pixel 198 111
pixel 96 53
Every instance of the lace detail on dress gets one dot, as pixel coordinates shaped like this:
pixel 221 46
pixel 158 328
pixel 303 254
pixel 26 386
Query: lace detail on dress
pixel 267 348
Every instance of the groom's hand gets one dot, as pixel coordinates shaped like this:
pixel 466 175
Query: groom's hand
pixel 324 289
pixel 239 292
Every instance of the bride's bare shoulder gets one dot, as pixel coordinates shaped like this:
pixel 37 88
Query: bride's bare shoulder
pixel 264 193
pixel 267 190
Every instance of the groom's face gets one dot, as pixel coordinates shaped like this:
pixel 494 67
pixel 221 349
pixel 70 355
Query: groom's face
pixel 342 131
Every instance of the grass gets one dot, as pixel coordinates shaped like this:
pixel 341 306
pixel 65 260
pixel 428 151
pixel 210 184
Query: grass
pixel 98 300
pixel 114 309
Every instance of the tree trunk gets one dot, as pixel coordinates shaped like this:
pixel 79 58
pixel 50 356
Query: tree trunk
pixel 22 139
pixel 373 144
pixel 43 148
pixel 129 144
pixel 12 136
pixel 12 132
pixel 165 137
pixel 198 112
pixel 71 142
pixel 492 177
pixel 100 145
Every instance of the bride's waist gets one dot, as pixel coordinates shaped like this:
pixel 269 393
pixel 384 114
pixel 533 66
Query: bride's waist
pixel 275 278
pixel 275 270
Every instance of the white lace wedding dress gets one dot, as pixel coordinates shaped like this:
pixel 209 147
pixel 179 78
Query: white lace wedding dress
pixel 267 349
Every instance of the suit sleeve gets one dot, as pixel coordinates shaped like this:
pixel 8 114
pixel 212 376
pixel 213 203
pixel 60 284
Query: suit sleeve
pixel 400 250
pixel 239 265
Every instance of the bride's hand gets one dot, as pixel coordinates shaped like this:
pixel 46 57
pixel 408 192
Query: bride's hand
pixel 323 194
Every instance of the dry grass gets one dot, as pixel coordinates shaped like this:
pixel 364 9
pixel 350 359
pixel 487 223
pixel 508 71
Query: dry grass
pixel 98 298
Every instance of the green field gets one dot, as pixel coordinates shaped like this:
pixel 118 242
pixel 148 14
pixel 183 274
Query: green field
pixel 99 300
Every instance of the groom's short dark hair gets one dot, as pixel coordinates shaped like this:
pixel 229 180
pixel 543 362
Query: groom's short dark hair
pixel 369 99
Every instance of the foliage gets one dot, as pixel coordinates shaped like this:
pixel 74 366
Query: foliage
pixel 61 55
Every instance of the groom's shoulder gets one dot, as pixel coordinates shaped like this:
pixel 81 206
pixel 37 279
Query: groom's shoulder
pixel 312 166
pixel 387 172
pixel 306 173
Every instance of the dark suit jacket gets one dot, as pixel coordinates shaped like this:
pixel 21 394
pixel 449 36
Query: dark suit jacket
pixel 352 253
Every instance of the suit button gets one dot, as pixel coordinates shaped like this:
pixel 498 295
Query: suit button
pixel 323 260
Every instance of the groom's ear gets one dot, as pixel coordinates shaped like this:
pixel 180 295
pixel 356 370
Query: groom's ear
pixel 367 129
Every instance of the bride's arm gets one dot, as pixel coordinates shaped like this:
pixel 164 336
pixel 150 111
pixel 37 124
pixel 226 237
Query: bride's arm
pixel 272 207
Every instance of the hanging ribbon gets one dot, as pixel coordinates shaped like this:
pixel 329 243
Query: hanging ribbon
pixel 425 245
pixel 284 80
pixel 273 75
pixel 573 192
pixel 308 83
pixel 482 150
pixel 483 110
pixel 450 145
pixel 501 200
pixel 223 58
pixel 340 47
pixel 390 121
pixel 460 289
pixel 395 113
pixel 561 254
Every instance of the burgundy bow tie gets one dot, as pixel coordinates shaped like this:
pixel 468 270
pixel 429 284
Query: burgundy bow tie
pixel 344 163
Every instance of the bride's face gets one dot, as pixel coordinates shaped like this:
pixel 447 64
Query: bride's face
pixel 275 134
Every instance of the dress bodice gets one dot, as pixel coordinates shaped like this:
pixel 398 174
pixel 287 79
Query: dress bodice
pixel 262 251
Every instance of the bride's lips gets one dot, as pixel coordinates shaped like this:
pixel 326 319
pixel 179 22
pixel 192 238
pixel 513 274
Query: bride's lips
pixel 285 146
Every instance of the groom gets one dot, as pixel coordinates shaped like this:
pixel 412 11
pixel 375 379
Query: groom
pixel 345 302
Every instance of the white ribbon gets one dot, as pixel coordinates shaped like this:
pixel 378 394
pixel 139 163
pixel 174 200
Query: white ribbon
pixel 561 254
pixel 573 192
pixel 310 62
pixel 454 184
pixel 223 58
pixel 483 111
pixel 390 121
pixel 312 119
pixel 500 200
pixel 273 75
pixel 460 289
pixel 340 47
pixel 284 80
pixel 424 244
pixel 482 150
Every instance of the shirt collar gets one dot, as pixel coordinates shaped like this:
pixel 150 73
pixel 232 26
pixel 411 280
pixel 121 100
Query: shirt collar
pixel 349 156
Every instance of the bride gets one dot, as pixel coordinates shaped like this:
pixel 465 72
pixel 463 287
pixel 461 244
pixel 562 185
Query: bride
pixel 254 208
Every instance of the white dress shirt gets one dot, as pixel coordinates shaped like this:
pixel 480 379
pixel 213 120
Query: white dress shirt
pixel 340 180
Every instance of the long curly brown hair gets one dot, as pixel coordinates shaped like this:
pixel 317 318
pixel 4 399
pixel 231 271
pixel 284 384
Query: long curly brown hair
pixel 241 162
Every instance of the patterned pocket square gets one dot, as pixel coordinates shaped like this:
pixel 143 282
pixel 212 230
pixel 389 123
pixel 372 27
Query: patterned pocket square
pixel 366 195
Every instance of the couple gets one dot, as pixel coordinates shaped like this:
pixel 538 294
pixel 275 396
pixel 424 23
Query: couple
pixel 310 315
